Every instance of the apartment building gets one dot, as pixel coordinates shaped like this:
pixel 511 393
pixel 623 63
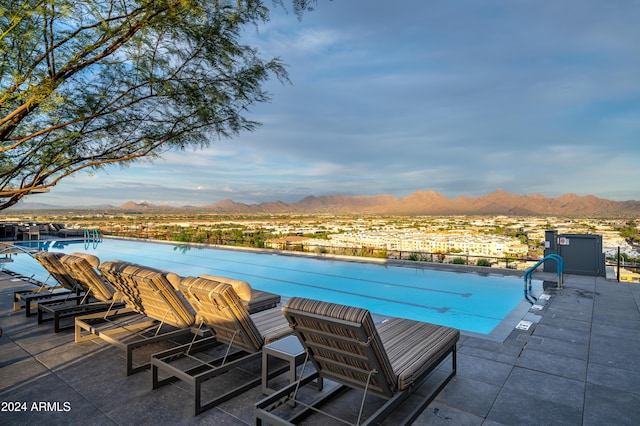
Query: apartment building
pixel 433 242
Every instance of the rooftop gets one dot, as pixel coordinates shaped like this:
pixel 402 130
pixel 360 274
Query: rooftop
pixel 578 364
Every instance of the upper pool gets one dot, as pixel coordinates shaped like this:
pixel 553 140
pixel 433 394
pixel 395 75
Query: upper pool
pixel 467 301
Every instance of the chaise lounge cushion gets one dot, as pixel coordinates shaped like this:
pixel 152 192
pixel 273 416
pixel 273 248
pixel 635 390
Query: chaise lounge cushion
pixel 81 268
pixel 51 262
pixel 329 352
pixel 148 291
pixel 93 260
pixel 405 349
pixel 242 288
pixel 252 299
pixel 218 306
pixel 414 347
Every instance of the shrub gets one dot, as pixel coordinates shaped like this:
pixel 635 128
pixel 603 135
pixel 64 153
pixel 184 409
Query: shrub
pixel 483 262
pixel 459 261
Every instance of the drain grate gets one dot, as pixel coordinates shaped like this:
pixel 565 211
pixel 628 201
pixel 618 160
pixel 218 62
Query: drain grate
pixel 524 325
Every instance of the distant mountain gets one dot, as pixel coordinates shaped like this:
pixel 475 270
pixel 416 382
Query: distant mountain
pixel 419 203
pixel 433 203
pixel 132 205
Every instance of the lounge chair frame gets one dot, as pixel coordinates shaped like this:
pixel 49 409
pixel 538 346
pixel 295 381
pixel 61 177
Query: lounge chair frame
pixel 57 312
pixel 127 330
pixel 360 364
pixel 98 295
pixel 194 377
pixel 152 304
pixel 67 289
pixel 43 295
pixel 217 304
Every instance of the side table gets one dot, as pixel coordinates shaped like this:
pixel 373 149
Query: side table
pixel 288 349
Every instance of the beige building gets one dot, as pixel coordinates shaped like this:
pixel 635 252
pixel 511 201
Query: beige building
pixel 434 243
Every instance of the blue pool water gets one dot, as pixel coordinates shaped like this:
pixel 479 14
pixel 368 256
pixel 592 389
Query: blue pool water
pixel 465 301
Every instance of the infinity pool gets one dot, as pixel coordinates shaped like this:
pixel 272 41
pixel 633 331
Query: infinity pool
pixel 465 301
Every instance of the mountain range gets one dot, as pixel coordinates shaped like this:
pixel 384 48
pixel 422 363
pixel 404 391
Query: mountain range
pixel 428 203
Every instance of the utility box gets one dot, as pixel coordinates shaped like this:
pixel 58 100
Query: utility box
pixel 582 253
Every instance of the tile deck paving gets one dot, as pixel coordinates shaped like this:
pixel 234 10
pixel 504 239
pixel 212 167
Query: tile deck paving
pixel 578 364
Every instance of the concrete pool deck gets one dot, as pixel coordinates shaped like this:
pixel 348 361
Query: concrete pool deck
pixel 578 364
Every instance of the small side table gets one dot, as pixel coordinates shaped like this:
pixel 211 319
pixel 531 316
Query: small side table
pixel 288 349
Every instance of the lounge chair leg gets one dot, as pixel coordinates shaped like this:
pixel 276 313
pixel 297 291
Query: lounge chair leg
pixel 418 410
pixel 56 322
pixel 79 337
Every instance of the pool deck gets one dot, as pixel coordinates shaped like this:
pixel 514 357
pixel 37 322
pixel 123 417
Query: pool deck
pixel 578 364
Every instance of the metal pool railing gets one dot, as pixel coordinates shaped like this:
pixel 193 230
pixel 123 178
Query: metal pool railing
pixel 529 273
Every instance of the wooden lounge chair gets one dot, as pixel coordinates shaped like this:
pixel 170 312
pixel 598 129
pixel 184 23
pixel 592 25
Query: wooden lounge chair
pixel 219 308
pixel 81 268
pixel 67 289
pixel 390 360
pixel 252 299
pixel 154 313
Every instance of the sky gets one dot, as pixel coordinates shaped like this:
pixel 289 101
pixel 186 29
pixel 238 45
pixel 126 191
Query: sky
pixel 461 97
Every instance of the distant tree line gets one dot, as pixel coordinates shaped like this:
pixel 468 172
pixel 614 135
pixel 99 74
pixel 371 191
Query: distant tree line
pixel 630 232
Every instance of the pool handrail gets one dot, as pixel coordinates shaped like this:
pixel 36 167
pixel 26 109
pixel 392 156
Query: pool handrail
pixel 529 272
pixel 91 236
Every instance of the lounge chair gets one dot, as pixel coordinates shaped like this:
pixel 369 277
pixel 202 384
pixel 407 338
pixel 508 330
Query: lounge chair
pixel 154 313
pixel 67 289
pixel 390 360
pixel 252 299
pixel 219 308
pixel 81 268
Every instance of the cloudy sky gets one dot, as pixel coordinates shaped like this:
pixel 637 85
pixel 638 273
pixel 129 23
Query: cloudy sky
pixel 462 97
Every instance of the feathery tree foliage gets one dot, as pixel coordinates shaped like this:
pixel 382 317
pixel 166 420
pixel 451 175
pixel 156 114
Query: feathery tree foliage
pixel 86 83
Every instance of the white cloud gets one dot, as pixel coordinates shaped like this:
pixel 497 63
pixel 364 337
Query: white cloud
pixel 388 97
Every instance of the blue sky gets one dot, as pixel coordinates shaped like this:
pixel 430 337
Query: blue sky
pixel 462 97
